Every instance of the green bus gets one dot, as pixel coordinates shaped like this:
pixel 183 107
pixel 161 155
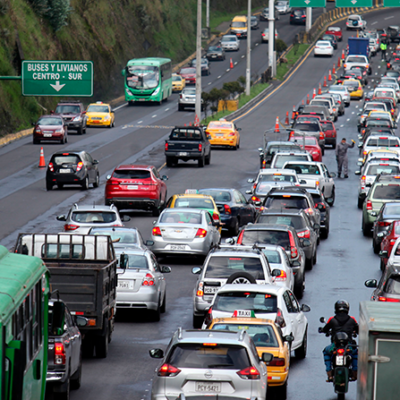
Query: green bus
pixel 148 80
pixel 24 295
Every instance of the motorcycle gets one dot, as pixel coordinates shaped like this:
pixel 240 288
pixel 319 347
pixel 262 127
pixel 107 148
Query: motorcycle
pixel 341 365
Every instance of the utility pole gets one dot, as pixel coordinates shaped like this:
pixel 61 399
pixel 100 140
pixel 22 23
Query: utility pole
pixel 271 37
pixel 208 15
pixel 308 18
pixel 198 63
pixel 248 65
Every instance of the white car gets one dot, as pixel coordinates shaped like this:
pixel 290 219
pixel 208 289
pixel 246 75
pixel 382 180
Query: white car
pixel 373 142
pixel 274 175
pixel 187 98
pixel 373 46
pixel 355 22
pixel 343 91
pixel 283 7
pixel 230 43
pixel 357 59
pixel 281 158
pixel 323 48
pixel 265 35
pixel 273 302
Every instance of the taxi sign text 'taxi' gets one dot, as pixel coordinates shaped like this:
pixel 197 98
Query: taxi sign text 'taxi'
pixel 57 78
pixel 307 3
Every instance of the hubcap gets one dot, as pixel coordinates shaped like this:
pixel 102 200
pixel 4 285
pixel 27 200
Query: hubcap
pixel 239 281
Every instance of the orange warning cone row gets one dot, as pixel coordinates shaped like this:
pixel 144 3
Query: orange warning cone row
pixel 196 121
pixel 314 94
pixel 277 125
pixel 325 84
pixel 294 112
pixel 343 56
pixel 231 64
pixel 333 69
pixel 287 118
pixel 319 89
pixel 329 76
pixel 338 62
pixel 308 99
pixel 42 163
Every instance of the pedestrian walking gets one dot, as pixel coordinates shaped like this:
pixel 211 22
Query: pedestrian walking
pixel 341 157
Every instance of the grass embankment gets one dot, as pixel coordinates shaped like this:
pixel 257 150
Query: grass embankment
pixel 254 91
pixel 293 55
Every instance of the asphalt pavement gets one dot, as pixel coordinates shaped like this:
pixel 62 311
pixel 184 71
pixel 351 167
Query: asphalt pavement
pixel 345 259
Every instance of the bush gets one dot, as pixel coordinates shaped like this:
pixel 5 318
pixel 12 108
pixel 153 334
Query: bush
pixel 280 46
pixel 55 11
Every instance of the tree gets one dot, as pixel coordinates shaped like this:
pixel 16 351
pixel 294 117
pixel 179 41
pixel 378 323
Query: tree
pixel 280 46
pixel 206 101
pixel 214 96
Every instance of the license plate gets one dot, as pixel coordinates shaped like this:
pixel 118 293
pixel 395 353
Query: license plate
pixel 208 387
pixel 213 56
pixel 177 247
pixel 47 135
pixel 64 171
pixel 219 134
pixel 141 99
pixel 183 153
pixel 133 187
pixel 125 284
pixel 96 122
pixel 339 360
pixel 211 289
pixel 244 313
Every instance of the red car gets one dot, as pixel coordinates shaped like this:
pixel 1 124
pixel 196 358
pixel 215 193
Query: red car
pixel 330 133
pixel 136 187
pixel 51 128
pixel 393 233
pixel 335 30
pixel 189 74
pixel 311 145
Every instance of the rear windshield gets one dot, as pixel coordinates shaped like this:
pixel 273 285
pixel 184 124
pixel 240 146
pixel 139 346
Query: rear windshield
pixel 295 221
pixel 280 160
pixel 392 209
pixel 194 203
pixel 279 238
pixel 70 159
pixel 317 198
pixel 48 121
pixel 389 192
pixel 393 285
pixel 131 174
pixel 117 236
pixel 356 59
pixel 238 24
pixel 277 178
pixel 93 217
pixel 286 201
pixel 273 256
pixel 201 356
pixel 68 109
pixel 299 12
pixel 258 302
pixel 377 169
pixel 375 122
pixel 185 134
pixel 136 262
pixel 277 149
pixel 187 71
pixel 262 335
pixel 308 141
pixel 310 127
pixel 224 267
pixel 219 196
pixel 304 169
pixel 382 142
pixel 181 218
pixel 321 103
pixel 328 125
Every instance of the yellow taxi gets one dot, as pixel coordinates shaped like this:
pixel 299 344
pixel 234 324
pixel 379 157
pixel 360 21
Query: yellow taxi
pixel 383 153
pixel 192 199
pixel 100 114
pixel 223 133
pixel 267 337
pixel 178 83
pixel 355 88
pixel 379 114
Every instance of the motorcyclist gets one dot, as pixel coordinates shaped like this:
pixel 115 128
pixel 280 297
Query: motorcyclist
pixel 341 322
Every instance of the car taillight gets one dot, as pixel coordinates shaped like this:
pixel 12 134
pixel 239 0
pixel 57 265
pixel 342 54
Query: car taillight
pixel 254 187
pixel 321 204
pixel 166 146
pixel 180 96
pixel 388 299
pixel 304 234
pixel 240 237
pixel 59 354
pixel 200 291
pixel 201 233
pixel 208 318
pixel 282 276
pixel 255 198
pixel 70 227
pixel 321 135
pixel 51 167
pixel 200 147
pixel 279 320
pixel 156 231
pixel 293 248
pixel 215 217
pixel 263 34
pixel 263 164
pixel 112 182
pixel 277 362
pixel 232 134
pixel 227 209
pixel 249 373
pixel 79 166
pixel 392 241
pixel 168 370
pixel 369 205
pixel 383 223
pixel 303 16
pixel 148 280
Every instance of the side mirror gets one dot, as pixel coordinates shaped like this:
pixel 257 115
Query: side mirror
pixel 359 145
pixel 108 177
pixel 165 269
pixel 249 192
pixel 288 338
pixel 196 270
pixel 371 283
pixel 164 177
pixel 61 218
pixel 276 272
pixel 250 180
pixel 58 318
pixel 373 214
pixel 357 173
pixel 320 206
pixel 95 162
pixel 305 308
pixel 123 261
pixel 33 123
pixel 267 357
pixel 316 226
pixel 257 203
pixel 359 163
pixel 359 113
pixel 382 234
pixel 156 353
pixel 80 321
pixel 332 175
pixel 322 320
pixel 125 218
pixel 305 242
pixel 238 129
pixel 149 243
pixel 330 201
pixel 383 254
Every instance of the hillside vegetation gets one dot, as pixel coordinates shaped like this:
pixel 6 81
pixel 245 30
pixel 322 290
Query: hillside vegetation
pixel 106 32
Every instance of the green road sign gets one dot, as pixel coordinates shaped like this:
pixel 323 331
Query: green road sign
pixel 391 3
pixel 353 3
pixel 307 3
pixel 57 78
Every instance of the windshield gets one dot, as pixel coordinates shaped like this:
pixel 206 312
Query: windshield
pixel 389 192
pixel 93 217
pixel 142 76
pixel 48 121
pixel 263 236
pixel 228 39
pixel 238 24
pixel 194 202
pixel 295 221
pixel 214 48
pixel 286 201
pixel 174 217
pixel 98 109
pixel 220 125
pixel 278 177
pixel 279 161
pixel 131 174
pixel 258 302
pixel 321 103
pixel 176 78
pixel 384 93
pixel 224 267
pixel 378 169
pixel 68 109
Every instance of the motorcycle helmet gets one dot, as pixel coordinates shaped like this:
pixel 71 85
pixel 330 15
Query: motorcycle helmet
pixel 341 339
pixel 342 306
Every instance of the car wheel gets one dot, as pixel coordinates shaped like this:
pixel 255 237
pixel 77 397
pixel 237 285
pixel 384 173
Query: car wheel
pixel 200 162
pixel 332 197
pixel 80 131
pixel 156 314
pixel 208 159
pixel 60 185
pixel 36 141
pixel 241 277
pixel 234 231
pixel 366 229
pixel 63 391
pixel 170 161
pixel 49 186
pixel 382 265
pixel 315 257
pixel 84 130
pixel 88 348
pixel 156 212
pixel 180 108
pixel 66 138
pixel 325 233
pixel 334 144
pixel 101 342
pixel 301 352
pixel 96 183
pixel 85 184
pixel 278 392
pixel 299 290
pixel 309 263
pixel 164 303
pixel 77 376
pixel 197 322
pixel 360 203
pixel 376 247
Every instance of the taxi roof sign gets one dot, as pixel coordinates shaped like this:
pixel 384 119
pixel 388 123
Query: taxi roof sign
pixel 244 314
pixel 191 191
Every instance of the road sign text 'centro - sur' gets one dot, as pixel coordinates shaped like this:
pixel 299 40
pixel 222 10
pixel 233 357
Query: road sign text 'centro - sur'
pixel 57 78
pixel 307 3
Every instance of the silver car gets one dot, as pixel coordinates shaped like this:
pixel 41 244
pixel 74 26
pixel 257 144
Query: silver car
pixel 121 237
pixel 184 231
pixel 265 14
pixel 283 7
pixel 343 91
pixel 81 218
pixel 230 43
pixel 141 286
pixel 187 98
pixel 254 22
pixel 214 363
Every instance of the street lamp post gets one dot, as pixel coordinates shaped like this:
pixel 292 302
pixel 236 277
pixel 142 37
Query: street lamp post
pixel 271 36
pixel 198 63
pixel 248 64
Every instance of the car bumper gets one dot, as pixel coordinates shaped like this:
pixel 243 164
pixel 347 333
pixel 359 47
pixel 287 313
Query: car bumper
pixel 277 378
pixel 189 155
pixel 223 142
pixel 177 88
pixel 56 376
pixel 74 125
pixel 133 203
pixel 215 57
pixel 194 247
pixel 144 299
pixel 330 140
pixel 323 53
pixel 200 306
pixel 98 123
pixel 356 95
pixel 298 21
pixel 54 136
pixel 72 179
pixel 231 48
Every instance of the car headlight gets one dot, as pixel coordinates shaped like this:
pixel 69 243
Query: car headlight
pixel 78 118
pixel 156 91
pixel 129 92
pixel 106 118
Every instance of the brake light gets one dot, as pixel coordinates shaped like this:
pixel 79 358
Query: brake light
pixel 168 370
pixel 340 351
pixel 322 204
pixel 166 144
pixel 263 34
pixel 263 164
pixel 363 178
pixel 279 320
pixel 293 248
pixel 249 373
pixel 321 135
pixel 304 234
pixel 383 223
pixel 227 209
pixel 240 237
pixel 112 182
pixel 201 233
pixel 156 231
pixel 70 227
pixel 255 199
pixel 277 362
pixel 388 299
pixel 51 167
pixel 282 276
pixel 232 134
pixel 303 16
pixel 200 291
pixel 148 280
pixel 59 354
pixel 79 166
pixel 208 317
pixel 392 241
pixel 369 205
pixel 200 147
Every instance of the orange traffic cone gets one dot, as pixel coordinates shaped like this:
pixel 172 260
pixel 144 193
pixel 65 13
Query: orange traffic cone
pixel 338 62
pixel 196 121
pixel 333 69
pixel 319 89
pixel 277 125
pixel 302 102
pixel 308 99
pixel 314 94
pixel 231 64
pixel 42 163
pixel 343 56
pixel 294 112
pixel 287 118
pixel 190 124
pixel 325 84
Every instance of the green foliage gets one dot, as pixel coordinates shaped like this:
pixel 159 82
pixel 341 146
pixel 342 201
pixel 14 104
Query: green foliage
pixel 56 11
pixel 280 46
pixel 3 7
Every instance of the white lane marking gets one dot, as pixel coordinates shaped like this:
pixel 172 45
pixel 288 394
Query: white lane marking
pixel 122 105
pixel 376 73
pixel 235 62
pixel 348 119
pixel 257 44
pixel 374 23
pixel 167 109
pixel 356 107
pixel 219 77
pixel 341 126
pixel 379 66
pixel 389 17
pixel 153 116
pixel 228 70
pixel 124 127
pixel 243 56
pixel 352 112
pixel 209 83
pixel 139 122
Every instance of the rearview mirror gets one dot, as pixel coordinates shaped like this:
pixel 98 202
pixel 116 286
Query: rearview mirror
pixel 382 234
pixel 95 162
pixel 322 320
pixel 359 145
pixel 250 180
pixel 383 254
pixel 305 242
pixel 108 177
pixel 260 149
pixel 371 283
pixel 330 201
pixel 248 192
pixel 61 218
pixel 295 263
pixel 81 321
pixel 149 243
pixel 373 214
pixel 123 261
pixel 332 175
pixel 164 177
pixel 230 241
pixel 316 226
pixel 196 270
pixel 288 338
pixel 156 353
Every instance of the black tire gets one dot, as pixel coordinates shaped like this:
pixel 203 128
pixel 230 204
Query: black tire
pixel 88 348
pixel 170 162
pixel 234 231
pixel 49 186
pixel 278 392
pixel 360 203
pixel 180 108
pixel 66 138
pixel 201 162
pixel 208 159
pixel 333 197
pixel 325 233
pixel 84 130
pixel 156 212
pixel 366 229
pixel 309 264
pixel 241 277
pixel 79 131
pixel 164 304
pixel 314 260
pixel 376 247
pixel 60 185
pixel 301 352
pixel 334 145
pixel 63 393
pixel 197 322
pixel 102 341
pixel 96 183
pixel 85 184
pixel 36 141
pixel 77 376
pixel 323 150
pixel 341 396
pixel 156 314
pixel 382 265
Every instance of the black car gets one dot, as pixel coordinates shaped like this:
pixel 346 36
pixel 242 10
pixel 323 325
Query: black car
pixel 388 288
pixel 388 213
pixel 72 168
pixel 73 113
pixel 348 75
pixel 215 53
pixel 235 211
pixel 363 73
pixel 267 154
pixel 393 33
pixel 64 367
pixel 332 39
pixel 298 17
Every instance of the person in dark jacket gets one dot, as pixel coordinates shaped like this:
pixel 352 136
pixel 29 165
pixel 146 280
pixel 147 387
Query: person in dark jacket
pixel 341 157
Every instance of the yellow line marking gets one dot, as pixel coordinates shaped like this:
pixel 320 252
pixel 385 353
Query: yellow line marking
pixel 162 166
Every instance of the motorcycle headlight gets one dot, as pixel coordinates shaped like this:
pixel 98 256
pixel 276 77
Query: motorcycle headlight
pixel 156 91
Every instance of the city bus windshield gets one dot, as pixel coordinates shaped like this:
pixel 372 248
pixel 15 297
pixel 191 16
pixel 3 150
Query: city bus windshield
pixel 142 77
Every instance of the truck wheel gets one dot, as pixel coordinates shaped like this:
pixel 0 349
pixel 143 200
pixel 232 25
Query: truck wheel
pixel 77 376
pixel 102 342
pixel 170 162
pixel 200 162
pixel 62 391
pixel 88 347
pixel 208 159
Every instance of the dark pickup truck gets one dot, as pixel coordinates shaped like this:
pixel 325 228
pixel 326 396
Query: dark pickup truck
pixel 188 143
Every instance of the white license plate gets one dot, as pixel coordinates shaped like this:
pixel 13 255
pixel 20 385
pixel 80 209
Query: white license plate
pixel 211 289
pixel 177 247
pixel 339 360
pixel 133 187
pixel 213 56
pixel 208 387
pixel 47 135
pixel 141 99
pixel 219 134
pixel 64 171
pixel 125 284
pixel 183 153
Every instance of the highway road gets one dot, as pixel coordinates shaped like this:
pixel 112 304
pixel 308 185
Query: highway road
pixel 345 259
